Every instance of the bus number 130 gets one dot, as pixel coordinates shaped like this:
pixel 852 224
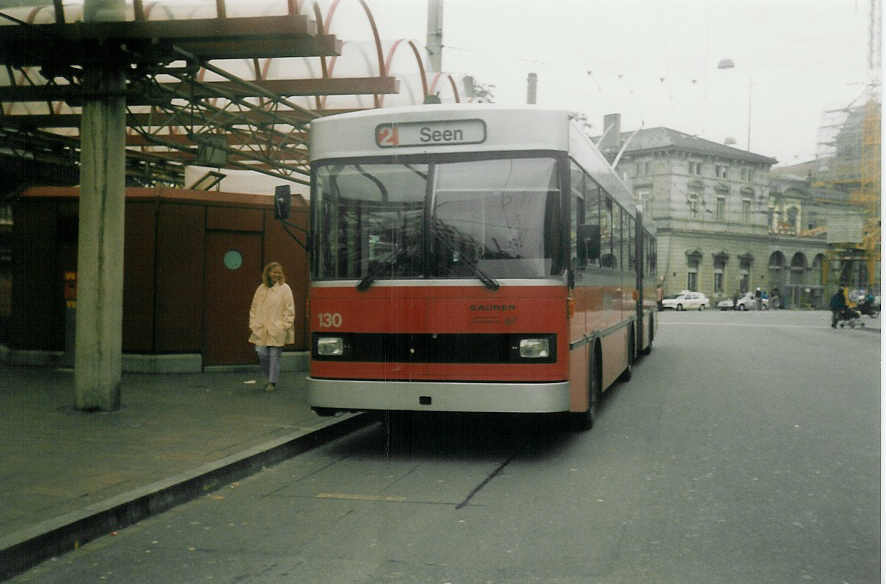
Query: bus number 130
pixel 329 319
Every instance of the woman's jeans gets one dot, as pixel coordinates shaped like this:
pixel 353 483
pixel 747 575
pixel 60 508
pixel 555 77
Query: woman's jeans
pixel 269 359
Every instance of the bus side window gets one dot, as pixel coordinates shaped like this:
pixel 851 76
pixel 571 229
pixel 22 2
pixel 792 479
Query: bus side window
pixel 605 231
pixel 579 210
pixel 589 243
pixel 631 243
pixel 591 235
pixel 576 214
pixel 617 235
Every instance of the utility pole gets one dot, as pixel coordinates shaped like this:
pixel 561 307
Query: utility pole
pixel 434 42
pixel 531 88
pixel 99 321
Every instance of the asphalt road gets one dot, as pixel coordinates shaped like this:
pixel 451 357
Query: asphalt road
pixel 746 448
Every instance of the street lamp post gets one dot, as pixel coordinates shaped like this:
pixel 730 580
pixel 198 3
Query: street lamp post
pixel 729 64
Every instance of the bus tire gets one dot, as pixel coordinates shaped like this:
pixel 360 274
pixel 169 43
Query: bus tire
pixel 650 336
pixel 629 369
pixel 584 421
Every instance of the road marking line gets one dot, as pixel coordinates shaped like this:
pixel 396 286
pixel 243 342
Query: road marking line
pixel 358 497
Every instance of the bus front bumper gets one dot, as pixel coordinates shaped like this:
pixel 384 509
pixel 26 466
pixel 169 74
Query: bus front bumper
pixel 348 394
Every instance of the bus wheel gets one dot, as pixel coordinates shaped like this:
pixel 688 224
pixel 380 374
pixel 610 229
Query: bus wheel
pixel 584 421
pixel 629 370
pixel 651 336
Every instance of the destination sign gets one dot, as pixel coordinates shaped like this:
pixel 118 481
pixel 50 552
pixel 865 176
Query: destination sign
pixel 430 133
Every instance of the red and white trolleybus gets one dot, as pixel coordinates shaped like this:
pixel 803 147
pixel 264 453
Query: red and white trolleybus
pixel 472 258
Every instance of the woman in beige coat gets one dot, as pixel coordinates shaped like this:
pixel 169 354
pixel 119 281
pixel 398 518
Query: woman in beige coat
pixel 271 317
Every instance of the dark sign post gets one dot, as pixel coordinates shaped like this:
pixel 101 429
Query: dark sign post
pixel 282 202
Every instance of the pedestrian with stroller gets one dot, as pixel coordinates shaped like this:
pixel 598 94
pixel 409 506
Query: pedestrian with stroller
pixel 271 319
pixel 838 305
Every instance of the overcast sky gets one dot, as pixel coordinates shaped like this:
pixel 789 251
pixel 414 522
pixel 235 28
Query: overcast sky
pixel 655 62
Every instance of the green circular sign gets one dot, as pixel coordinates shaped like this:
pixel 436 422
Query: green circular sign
pixel 233 259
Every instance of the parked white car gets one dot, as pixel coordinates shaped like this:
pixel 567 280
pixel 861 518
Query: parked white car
pixel 726 304
pixel 687 301
pixel 745 302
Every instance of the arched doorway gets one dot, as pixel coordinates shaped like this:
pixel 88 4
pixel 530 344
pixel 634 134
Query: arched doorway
pixel 796 288
pixel 777 275
pixel 815 281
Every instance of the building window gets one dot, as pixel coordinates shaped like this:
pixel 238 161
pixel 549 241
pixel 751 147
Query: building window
pixel 719 269
pixel 744 275
pixel 692 260
pixel 694 167
pixel 692 201
pixel 720 170
pixel 793 219
pixel 721 209
pixel 643 199
pixel 746 211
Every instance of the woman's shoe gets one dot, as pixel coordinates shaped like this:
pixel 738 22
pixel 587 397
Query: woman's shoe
pixel 270 387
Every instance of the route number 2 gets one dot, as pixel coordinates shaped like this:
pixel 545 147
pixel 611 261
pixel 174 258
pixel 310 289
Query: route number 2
pixel 387 136
pixel 329 319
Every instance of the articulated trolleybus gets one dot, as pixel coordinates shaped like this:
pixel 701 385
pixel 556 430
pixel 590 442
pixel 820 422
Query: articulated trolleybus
pixel 473 259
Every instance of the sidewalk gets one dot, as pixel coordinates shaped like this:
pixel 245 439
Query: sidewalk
pixel 68 476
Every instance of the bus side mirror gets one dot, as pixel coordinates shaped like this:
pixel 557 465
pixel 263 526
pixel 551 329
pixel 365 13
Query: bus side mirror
pixel 282 202
pixel 589 240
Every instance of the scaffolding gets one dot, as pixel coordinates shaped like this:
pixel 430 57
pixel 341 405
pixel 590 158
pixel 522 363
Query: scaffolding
pixel 848 159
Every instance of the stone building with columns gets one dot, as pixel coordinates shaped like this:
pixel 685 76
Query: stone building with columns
pixel 725 224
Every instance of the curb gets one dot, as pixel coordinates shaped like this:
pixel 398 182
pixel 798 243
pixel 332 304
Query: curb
pixel 24 549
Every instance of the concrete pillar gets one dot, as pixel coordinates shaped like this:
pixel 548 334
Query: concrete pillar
pixel 99 336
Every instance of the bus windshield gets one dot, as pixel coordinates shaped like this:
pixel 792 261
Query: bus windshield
pixel 488 219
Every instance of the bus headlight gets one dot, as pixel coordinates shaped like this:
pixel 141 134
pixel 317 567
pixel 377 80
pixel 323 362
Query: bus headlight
pixel 330 346
pixel 535 348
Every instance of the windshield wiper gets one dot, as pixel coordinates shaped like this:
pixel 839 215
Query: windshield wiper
pixel 380 266
pixel 488 281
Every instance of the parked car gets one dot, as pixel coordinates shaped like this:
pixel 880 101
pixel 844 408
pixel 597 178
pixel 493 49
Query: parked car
pixel 747 302
pixel 686 301
pixel 726 304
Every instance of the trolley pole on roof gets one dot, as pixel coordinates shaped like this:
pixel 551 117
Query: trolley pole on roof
pixel 434 41
pixel 99 322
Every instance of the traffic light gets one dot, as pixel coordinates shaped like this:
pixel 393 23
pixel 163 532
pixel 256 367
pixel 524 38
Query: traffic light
pixel 282 202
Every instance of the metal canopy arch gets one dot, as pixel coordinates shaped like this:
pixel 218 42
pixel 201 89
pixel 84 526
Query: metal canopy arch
pixel 176 95
pixel 188 89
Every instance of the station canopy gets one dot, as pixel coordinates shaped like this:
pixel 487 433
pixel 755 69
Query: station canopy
pixel 226 84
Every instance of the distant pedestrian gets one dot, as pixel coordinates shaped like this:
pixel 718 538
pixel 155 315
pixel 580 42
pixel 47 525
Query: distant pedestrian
pixel 758 299
pixel 774 300
pixel 271 319
pixel 838 305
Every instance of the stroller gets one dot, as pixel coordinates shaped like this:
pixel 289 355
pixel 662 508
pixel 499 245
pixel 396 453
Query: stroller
pixel 868 308
pixel 849 316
